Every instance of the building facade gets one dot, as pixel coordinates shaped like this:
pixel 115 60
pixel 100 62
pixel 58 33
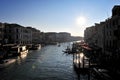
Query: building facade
pixel 15 34
pixel 1 33
pixel 106 36
pixel 36 35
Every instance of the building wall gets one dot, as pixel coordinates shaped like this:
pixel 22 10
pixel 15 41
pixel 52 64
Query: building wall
pixel 63 36
pixel 105 34
pixel 90 35
pixel 57 37
pixel 36 35
pixel 16 34
pixel 1 32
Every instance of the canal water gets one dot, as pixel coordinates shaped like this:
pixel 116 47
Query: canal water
pixel 48 63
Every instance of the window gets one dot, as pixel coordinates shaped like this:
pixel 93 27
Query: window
pixel 17 36
pixel 17 30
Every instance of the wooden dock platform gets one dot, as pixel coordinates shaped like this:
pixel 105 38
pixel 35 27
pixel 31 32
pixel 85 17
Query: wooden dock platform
pixel 81 63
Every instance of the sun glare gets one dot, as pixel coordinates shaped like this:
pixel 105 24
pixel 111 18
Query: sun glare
pixel 80 21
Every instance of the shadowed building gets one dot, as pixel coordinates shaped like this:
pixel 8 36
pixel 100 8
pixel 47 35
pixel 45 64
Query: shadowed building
pixel 16 34
pixel 1 33
pixel 36 35
pixel 106 36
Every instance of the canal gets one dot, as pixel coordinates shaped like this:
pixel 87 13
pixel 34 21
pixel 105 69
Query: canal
pixel 48 63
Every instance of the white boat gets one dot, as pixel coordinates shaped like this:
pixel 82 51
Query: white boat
pixel 18 50
pixel 6 62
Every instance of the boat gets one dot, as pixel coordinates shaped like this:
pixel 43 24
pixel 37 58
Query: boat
pixel 18 50
pixel 29 46
pixel 58 45
pixel 68 50
pixel 6 62
pixel 36 46
pixel 101 74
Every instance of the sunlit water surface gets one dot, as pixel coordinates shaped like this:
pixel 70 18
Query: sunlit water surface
pixel 48 63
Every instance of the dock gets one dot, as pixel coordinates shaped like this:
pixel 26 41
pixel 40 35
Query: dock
pixel 80 62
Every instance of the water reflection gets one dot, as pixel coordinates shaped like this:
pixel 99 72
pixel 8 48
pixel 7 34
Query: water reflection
pixel 83 76
pixel 21 58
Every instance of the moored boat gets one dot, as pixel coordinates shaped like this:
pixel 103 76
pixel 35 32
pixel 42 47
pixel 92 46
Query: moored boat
pixel 68 50
pixel 36 46
pixel 6 62
pixel 18 50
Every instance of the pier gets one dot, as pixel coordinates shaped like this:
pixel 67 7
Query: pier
pixel 83 65
pixel 80 61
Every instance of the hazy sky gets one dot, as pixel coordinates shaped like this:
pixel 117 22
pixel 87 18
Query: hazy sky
pixel 56 15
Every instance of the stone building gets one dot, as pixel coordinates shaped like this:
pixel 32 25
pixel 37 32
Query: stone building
pixel 15 34
pixel 36 35
pixel 50 37
pixel 53 37
pixel 63 37
pixel 106 36
pixel 112 31
pixel 89 35
pixel 1 32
